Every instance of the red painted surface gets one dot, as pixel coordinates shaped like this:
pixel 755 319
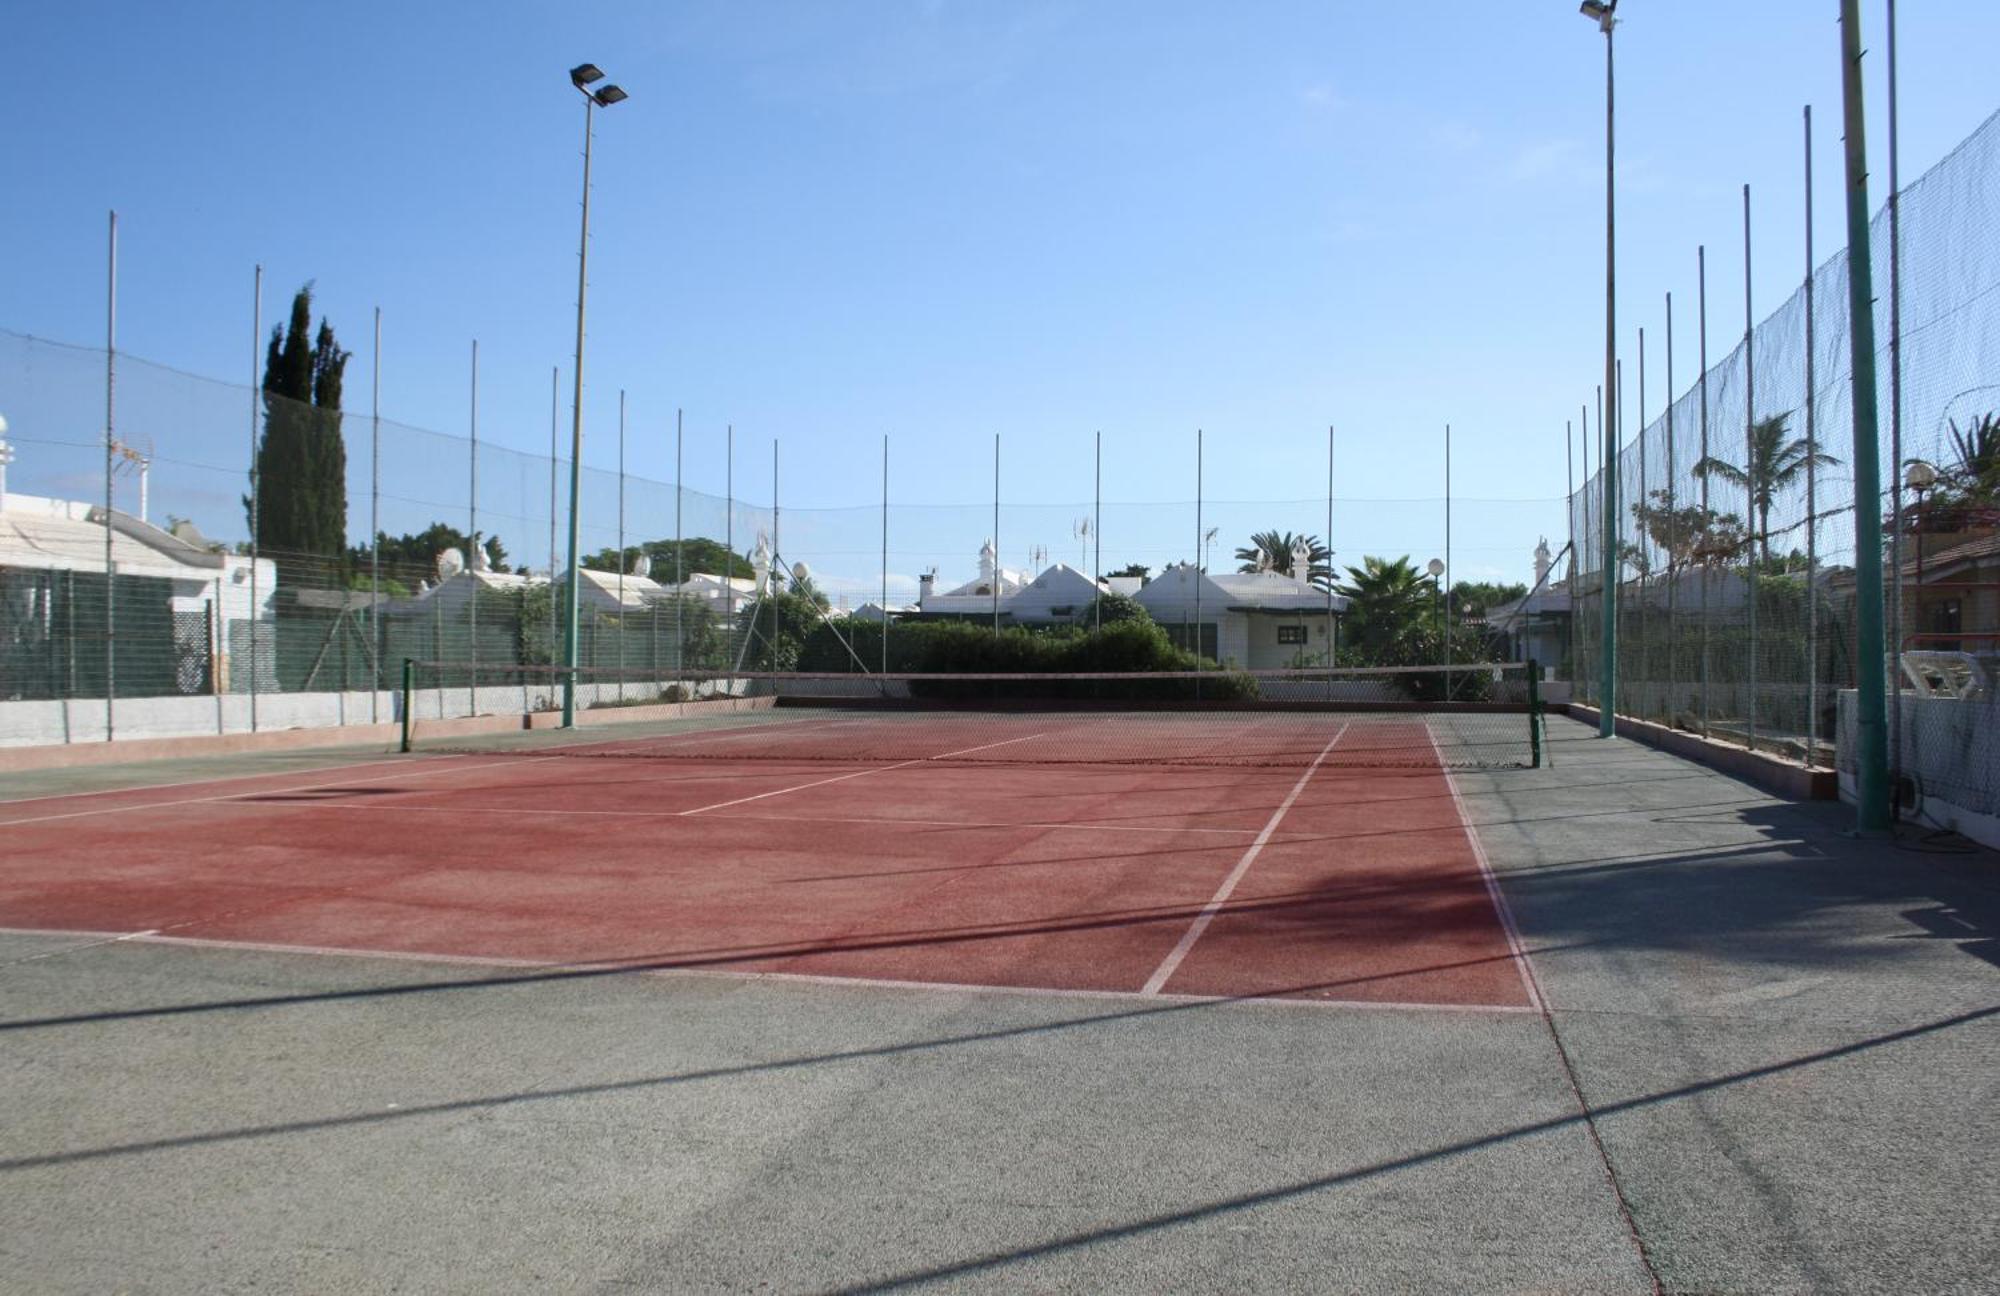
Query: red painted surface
pixel 1075 877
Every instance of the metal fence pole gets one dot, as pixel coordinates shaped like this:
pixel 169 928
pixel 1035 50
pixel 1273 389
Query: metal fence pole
pixel 1644 615
pixel 1812 493
pixel 998 565
pixel 1332 623
pixel 680 559
pixel 1672 507
pixel 1447 563
pixel 1198 564
pixel 621 544
pixel 1872 756
pixel 375 526
pixel 253 623
pixel 1752 469
pixel 472 536
pixel 110 447
pixel 885 553
pixel 1707 518
pixel 1569 520
pixel 1895 680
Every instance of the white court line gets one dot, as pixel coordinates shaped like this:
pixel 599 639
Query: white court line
pixel 725 974
pixel 219 778
pixel 720 733
pixel 1515 948
pixel 854 774
pixel 426 767
pixel 1172 961
pixel 250 799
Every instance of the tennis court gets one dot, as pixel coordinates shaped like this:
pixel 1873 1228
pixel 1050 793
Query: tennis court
pixel 1312 855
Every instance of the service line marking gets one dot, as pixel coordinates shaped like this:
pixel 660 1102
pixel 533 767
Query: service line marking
pixel 1172 961
pixel 855 774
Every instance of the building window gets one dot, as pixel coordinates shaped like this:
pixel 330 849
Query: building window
pixel 1291 634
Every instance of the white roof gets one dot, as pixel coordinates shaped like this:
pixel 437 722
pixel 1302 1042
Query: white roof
pixel 68 535
pixel 1172 593
pixel 1061 586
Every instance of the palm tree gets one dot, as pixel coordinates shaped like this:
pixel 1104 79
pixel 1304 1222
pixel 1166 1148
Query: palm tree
pixel 1388 604
pixel 1272 551
pixel 1976 475
pixel 1775 463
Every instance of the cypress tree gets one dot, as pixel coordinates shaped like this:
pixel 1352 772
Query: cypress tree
pixel 301 458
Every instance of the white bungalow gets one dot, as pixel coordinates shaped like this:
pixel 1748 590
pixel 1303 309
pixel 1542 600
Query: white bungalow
pixel 1255 620
pixel 975 596
pixel 52 567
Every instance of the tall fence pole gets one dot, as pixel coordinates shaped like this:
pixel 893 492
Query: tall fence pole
pixel 1895 680
pixel 777 551
pixel 729 535
pixel 998 566
pixel 1447 563
pixel 1759 517
pixel 621 544
pixel 885 553
pixel 1642 707
pixel 472 538
pixel 680 562
pixel 1707 519
pixel 1578 665
pixel 254 623
pixel 1606 724
pixel 375 525
pixel 1812 484
pixel 1332 624
pixel 1872 756
pixel 110 448
pixel 1672 507
pixel 1097 530
pixel 1199 564
pixel 1569 519
pixel 555 457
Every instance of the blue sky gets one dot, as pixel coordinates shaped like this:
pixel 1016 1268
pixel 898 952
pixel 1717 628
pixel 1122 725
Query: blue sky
pixel 939 221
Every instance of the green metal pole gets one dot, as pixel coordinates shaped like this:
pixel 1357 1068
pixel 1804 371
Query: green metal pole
pixel 1871 713
pixel 1608 665
pixel 576 437
pixel 1535 712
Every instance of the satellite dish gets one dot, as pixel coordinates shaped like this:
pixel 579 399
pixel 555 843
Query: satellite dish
pixel 450 562
pixel 643 566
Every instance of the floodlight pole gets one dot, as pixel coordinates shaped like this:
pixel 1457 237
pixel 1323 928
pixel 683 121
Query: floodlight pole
pixel 581 77
pixel 1871 685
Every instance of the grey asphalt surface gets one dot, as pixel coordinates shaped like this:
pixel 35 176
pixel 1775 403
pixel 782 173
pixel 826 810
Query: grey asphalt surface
pixel 1785 1041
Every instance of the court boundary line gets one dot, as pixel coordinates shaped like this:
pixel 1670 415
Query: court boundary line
pixel 194 782
pixel 855 774
pixel 1172 962
pixel 99 939
pixel 415 768
pixel 1516 948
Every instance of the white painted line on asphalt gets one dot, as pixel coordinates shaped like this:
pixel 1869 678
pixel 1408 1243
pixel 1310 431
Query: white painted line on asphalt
pixel 1173 959
pixel 1515 948
pixel 855 774
pixel 799 978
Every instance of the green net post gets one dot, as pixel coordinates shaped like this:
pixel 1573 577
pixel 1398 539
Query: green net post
pixel 409 696
pixel 1534 714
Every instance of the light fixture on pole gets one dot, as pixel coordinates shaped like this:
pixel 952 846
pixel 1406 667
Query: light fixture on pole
pixel 1436 569
pixel 582 76
pixel 1602 13
pixel 1921 478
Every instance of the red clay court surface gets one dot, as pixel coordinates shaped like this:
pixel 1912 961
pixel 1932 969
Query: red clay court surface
pixel 1326 882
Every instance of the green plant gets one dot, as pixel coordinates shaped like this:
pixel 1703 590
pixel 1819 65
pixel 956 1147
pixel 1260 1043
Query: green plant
pixel 1272 551
pixel 1773 464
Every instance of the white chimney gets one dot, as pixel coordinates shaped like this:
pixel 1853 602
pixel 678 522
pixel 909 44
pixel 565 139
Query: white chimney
pixel 1542 561
pixel 925 584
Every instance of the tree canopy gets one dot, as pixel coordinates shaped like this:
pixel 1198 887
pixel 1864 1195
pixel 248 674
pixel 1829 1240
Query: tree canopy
pixel 301 467
pixel 1272 551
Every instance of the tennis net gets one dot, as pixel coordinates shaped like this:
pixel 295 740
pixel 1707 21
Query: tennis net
pixel 1485 716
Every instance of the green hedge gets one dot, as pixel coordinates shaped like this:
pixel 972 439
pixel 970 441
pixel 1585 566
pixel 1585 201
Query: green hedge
pixel 960 648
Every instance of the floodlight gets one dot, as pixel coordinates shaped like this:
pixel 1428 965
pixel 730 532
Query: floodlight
pixel 609 95
pixel 584 74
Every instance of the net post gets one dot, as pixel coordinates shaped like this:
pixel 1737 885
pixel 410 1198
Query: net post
pixel 409 698
pixel 1534 714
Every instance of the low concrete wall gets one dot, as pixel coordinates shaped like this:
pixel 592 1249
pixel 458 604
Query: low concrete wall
pixel 1782 777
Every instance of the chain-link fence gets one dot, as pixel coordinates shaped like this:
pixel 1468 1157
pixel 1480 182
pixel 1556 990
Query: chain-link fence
pixel 275 563
pixel 1734 572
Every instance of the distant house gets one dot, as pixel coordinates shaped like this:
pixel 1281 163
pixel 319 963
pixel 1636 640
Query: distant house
pixel 1254 620
pixel 1536 626
pixel 186 613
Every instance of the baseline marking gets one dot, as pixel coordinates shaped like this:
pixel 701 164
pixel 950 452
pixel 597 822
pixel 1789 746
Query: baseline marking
pixel 1172 961
pixel 854 774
